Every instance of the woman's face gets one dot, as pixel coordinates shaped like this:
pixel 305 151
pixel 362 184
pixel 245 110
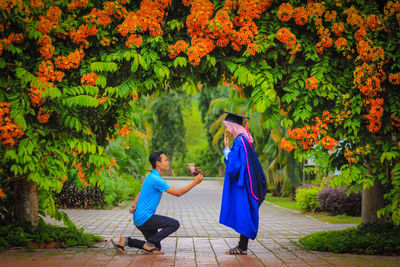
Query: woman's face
pixel 228 131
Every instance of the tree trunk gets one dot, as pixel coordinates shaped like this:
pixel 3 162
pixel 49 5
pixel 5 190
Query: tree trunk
pixel 27 206
pixel 372 201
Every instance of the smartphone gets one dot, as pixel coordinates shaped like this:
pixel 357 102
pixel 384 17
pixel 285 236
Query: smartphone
pixel 197 170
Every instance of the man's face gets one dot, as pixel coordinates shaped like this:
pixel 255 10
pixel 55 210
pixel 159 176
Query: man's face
pixel 164 163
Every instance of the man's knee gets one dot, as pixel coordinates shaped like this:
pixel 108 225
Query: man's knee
pixel 175 224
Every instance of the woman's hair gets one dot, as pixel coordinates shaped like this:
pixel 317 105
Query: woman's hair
pixel 154 157
pixel 237 129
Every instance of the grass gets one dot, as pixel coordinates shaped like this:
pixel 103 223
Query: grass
pixel 287 202
pixel 343 218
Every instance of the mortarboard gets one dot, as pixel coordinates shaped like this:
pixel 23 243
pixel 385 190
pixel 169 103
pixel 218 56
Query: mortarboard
pixel 235 118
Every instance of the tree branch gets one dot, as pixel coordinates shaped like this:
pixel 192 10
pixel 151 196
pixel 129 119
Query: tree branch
pixel 13 179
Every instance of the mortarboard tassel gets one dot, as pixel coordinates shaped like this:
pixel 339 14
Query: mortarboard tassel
pixel 247 129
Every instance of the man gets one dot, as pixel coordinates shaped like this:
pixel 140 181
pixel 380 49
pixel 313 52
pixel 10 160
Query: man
pixel 145 206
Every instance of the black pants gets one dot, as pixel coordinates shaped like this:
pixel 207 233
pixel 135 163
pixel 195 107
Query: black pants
pixel 243 242
pixel 150 231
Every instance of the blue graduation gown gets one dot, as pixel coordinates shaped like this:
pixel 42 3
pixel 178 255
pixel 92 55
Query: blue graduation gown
pixel 239 207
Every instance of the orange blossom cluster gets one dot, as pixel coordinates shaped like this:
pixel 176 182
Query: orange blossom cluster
pixel 16 38
pixel 177 48
pixel 89 79
pixel 310 135
pixel 287 37
pixel 394 78
pixel 369 74
pixel 9 131
pixel 311 83
pixel 286 12
pixel 207 31
pixel 375 106
pixel 77 3
pixel 2 195
pixel 81 174
pixel 72 61
pixel 42 117
pixel 350 155
pixel 80 35
pixel 46 47
pixel 392 8
pixel 147 18
pixel 125 129
pixel 50 21
pixel 395 121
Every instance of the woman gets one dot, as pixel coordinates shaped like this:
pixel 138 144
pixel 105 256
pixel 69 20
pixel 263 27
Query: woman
pixel 244 185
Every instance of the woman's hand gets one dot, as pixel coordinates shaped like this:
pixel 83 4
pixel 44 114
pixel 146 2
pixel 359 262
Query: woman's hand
pixel 226 140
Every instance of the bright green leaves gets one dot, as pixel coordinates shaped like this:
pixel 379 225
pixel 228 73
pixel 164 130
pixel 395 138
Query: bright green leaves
pixel 85 147
pixel 389 156
pixel 73 122
pixel 138 60
pixel 124 89
pixel 25 76
pixel 263 94
pixel 175 24
pixel 81 100
pixel 162 72
pixel 101 81
pixel 180 61
pixel 51 92
pixel 104 66
pixel 244 76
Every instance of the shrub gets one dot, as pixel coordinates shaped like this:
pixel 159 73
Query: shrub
pixel 16 233
pixel 336 201
pixel 306 198
pixel 120 188
pixel 71 196
pixel 371 238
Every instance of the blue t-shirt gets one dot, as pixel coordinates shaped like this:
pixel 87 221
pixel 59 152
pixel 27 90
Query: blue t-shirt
pixel 150 195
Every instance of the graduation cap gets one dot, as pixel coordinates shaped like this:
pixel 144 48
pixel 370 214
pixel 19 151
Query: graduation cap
pixel 235 118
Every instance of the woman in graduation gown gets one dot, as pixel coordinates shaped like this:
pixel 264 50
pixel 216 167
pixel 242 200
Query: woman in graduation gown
pixel 244 185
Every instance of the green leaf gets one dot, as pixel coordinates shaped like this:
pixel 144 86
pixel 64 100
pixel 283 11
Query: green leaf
pixel 135 64
pixel 2 63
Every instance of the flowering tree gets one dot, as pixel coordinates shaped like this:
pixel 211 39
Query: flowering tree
pixel 70 69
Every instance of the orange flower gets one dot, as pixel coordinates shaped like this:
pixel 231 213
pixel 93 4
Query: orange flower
pixel 311 83
pixel 338 28
pixel 285 12
pixel 330 15
pixel 9 131
pixel 341 43
pixel 329 143
pixel 394 78
pixel 43 117
pixel 297 133
pixel 89 79
pixel 287 145
pixel 300 15
pixel 2 195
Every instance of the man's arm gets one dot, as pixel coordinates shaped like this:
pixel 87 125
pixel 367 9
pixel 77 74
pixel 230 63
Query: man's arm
pixel 181 191
pixel 133 208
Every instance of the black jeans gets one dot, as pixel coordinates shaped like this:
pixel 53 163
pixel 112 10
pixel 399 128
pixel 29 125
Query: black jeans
pixel 150 231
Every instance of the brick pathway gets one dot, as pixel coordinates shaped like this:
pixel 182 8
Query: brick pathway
pixel 200 241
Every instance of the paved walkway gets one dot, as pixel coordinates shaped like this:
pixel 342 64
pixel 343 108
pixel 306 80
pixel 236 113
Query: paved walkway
pixel 200 241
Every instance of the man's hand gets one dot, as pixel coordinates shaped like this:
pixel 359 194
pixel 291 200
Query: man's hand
pixel 226 140
pixel 132 209
pixel 198 178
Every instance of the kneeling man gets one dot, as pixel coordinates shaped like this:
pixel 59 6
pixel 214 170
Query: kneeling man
pixel 146 204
